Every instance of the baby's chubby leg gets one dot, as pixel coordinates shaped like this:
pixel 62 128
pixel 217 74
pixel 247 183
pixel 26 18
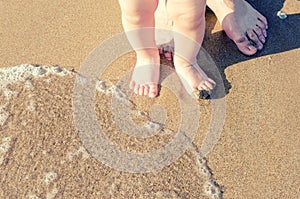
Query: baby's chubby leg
pixel 189 26
pixel 138 23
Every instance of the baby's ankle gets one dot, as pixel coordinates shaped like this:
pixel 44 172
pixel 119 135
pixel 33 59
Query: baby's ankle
pixel 182 63
pixel 147 54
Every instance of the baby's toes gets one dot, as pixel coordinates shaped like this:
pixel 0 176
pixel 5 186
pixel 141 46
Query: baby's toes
pixel 207 85
pixel 212 82
pixel 132 85
pixel 136 89
pixel 203 87
pixel 153 90
pixel 141 90
pixel 146 90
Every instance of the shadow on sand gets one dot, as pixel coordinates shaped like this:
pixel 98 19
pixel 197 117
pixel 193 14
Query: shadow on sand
pixel 283 35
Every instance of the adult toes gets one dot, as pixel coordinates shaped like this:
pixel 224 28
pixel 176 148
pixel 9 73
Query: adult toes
pixel 253 37
pixel 262 39
pixel 245 46
pixel 262 26
pixel 264 20
pixel 153 90
pixel 263 33
pixel 259 34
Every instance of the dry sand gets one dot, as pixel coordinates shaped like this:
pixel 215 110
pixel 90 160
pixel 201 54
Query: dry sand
pixel 41 155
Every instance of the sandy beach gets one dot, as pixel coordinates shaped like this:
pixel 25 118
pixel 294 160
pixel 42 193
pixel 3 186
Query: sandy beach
pixel 43 46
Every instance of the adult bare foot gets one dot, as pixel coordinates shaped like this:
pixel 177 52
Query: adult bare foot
pixel 145 77
pixel 242 24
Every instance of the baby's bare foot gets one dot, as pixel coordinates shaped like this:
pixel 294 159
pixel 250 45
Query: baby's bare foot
pixel 194 78
pixel 145 77
pixel 242 24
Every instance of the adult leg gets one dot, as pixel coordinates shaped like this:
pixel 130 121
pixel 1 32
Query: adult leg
pixel 242 23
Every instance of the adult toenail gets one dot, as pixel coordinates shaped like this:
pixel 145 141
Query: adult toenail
pixel 264 33
pixel 251 47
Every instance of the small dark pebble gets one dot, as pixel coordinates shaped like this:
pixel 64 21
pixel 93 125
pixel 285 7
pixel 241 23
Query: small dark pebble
pixel 202 94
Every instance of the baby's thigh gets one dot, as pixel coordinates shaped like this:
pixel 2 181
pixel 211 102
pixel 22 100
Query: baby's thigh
pixel 192 8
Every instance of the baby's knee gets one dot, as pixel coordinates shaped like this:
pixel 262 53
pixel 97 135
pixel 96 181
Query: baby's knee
pixel 188 14
pixel 189 21
pixel 136 17
pixel 136 11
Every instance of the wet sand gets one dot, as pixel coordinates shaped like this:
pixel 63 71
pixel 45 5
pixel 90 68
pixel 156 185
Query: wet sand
pixel 41 154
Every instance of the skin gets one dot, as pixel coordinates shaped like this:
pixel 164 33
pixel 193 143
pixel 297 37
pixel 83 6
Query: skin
pixel 243 24
pixel 189 25
pixel 139 14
